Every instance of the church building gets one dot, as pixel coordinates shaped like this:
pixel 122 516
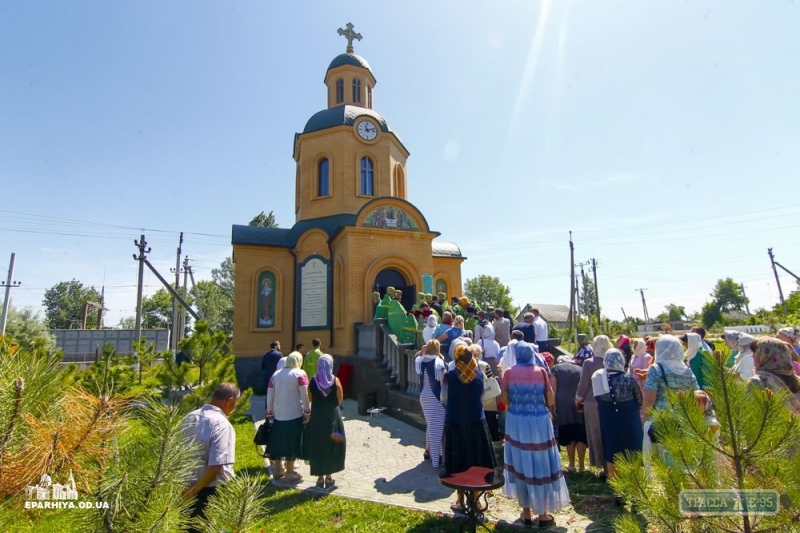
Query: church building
pixel 355 232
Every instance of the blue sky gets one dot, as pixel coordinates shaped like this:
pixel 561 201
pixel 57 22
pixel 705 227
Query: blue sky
pixel 665 135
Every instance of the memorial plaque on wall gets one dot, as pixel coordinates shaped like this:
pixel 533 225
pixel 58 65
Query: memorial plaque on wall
pixel 314 294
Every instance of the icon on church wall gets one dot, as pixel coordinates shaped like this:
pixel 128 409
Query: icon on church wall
pixel 390 217
pixel 266 300
pixel 441 286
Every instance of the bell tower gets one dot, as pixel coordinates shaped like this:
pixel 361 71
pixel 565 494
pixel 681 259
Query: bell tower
pixel 347 154
pixel 349 78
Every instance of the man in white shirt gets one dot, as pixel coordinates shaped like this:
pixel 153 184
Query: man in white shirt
pixel 540 332
pixel 209 428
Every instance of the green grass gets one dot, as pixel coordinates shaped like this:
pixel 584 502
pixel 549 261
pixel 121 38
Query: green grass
pixel 294 510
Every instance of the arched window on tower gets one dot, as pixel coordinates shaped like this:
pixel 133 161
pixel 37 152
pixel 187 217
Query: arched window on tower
pixel 323 178
pixel 369 97
pixel 399 182
pixel 356 91
pixel 339 91
pixel 367 177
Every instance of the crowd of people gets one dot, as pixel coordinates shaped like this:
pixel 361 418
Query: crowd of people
pixel 485 380
pixel 303 408
pixel 460 358
pixel 600 400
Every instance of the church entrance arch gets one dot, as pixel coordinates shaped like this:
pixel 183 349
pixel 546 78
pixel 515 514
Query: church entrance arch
pixel 389 277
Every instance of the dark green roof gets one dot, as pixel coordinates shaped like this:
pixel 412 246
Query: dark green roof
pixel 287 237
pixel 346 115
pixel 343 115
pixel 349 59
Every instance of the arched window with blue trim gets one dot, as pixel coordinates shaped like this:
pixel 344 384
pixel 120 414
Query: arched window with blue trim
pixel 367 177
pixel 339 91
pixel 323 178
pixel 356 91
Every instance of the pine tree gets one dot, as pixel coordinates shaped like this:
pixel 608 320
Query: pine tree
pixel 755 450
pixel 145 482
pixel 235 507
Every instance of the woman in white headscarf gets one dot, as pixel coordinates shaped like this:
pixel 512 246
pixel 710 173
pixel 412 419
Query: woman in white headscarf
pixel 667 373
pixel 744 364
pixel 640 362
pixel 430 327
pixel 731 338
pixel 697 357
pixel 584 399
pixel 619 399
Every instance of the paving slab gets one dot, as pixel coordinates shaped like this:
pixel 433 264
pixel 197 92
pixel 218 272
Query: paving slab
pixel 385 464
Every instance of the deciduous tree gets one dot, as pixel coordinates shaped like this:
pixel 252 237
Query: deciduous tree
pixel 729 295
pixel 63 304
pixel 263 220
pixel 672 313
pixel 217 306
pixel 29 330
pixel 484 291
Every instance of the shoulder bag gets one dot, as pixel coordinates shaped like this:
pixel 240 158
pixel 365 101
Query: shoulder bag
pixel 491 388
pixel 262 437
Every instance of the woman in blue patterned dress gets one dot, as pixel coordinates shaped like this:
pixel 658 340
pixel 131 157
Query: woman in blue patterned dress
pixel 532 461
pixel 619 399
pixel 431 369
pixel 669 372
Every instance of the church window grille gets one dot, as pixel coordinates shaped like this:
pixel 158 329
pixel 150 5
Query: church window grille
pixel 357 91
pixel 323 178
pixel 339 91
pixel 367 177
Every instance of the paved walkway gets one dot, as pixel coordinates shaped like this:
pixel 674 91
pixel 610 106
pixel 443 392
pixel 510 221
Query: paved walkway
pixel 384 464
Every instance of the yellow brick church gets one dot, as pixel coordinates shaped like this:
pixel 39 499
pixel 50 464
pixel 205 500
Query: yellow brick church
pixel 355 231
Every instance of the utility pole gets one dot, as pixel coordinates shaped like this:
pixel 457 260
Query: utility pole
pixel 596 294
pixel 102 306
pixel 182 321
pixel 586 302
pixel 572 313
pixel 644 306
pixel 142 245
pixel 196 292
pixel 777 280
pixel 746 303
pixel 174 343
pixel 9 284
pixel 623 314
pixel 577 299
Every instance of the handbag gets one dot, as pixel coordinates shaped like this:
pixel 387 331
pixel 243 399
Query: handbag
pixel 491 389
pixel 262 437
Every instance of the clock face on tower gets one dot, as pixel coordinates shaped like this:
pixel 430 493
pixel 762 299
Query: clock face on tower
pixel 367 130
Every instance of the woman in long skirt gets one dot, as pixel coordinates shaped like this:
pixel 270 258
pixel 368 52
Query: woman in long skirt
pixel 532 461
pixel 467 442
pixel 431 369
pixel 324 446
pixel 619 400
pixel 288 406
pixel 585 398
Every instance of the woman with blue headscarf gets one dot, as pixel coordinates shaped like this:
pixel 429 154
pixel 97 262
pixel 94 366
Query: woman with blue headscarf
pixel 532 460
pixel 325 440
pixel 619 400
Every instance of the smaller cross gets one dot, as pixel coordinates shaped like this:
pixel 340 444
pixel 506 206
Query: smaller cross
pixel 350 35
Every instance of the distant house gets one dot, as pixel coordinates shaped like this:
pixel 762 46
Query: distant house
pixel 658 327
pixel 554 315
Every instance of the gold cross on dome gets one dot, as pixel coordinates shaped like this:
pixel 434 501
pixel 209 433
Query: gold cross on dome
pixel 350 35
